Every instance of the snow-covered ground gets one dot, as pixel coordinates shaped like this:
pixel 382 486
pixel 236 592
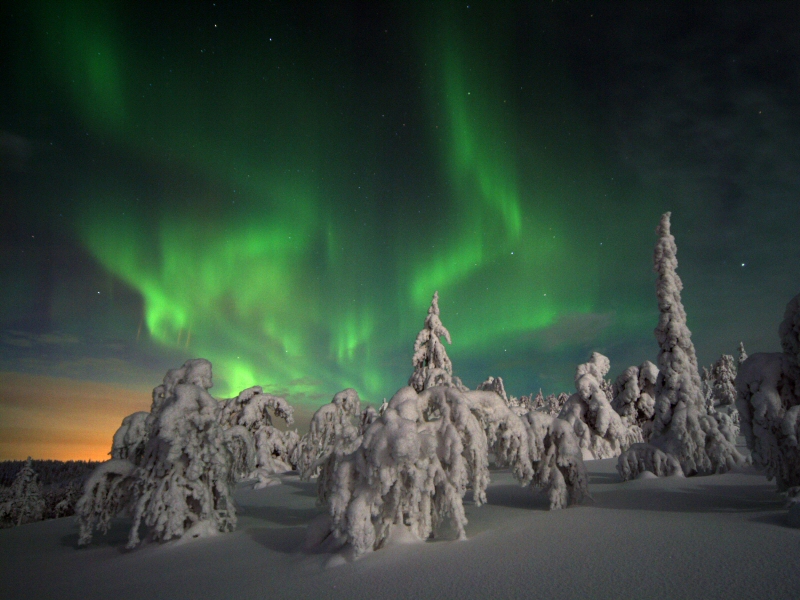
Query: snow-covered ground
pixel 723 536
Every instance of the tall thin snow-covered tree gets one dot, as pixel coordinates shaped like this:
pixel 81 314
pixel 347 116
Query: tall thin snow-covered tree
pixel 768 399
pixel 432 366
pixel 682 428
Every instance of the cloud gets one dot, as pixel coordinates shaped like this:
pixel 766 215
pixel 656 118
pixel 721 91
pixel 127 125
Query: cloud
pixel 574 329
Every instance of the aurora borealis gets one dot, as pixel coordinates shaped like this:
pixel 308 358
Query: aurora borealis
pixel 281 187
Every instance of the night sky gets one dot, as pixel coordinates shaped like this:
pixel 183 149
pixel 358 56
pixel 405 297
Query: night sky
pixel 280 187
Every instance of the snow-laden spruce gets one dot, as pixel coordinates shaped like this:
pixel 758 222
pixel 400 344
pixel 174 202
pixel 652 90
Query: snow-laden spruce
pixel 176 475
pixel 634 401
pixel 333 426
pixel 768 386
pixel 432 366
pixel 416 461
pixel 682 428
pixel 406 471
pixel 723 374
pixel 600 430
pixel 24 503
pixel 273 448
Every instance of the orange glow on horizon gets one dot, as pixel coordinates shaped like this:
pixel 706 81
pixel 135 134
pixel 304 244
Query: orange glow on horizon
pixel 57 418
pixel 62 419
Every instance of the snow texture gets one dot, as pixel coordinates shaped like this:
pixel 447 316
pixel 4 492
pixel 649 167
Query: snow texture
pixel 682 428
pixel 600 430
pixel 715 537
pixel 768 386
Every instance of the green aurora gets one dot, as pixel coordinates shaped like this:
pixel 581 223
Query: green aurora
pixel 286 206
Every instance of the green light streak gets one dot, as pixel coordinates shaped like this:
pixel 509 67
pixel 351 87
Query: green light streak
pixel 278 263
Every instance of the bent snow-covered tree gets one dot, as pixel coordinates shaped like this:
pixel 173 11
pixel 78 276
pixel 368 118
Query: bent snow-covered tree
pixel 182 484
pixel 273 448
pixel 432 366
pixel 406 471
pixel 334 426
pixel 600 430
pixel 131 438
pixel 768 399
pixel 682 429
pixel 416 461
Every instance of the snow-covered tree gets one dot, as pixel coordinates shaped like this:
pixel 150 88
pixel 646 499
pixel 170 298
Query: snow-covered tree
pixel 24 502
pixel 107 493
pixel 723 373
pixel 600 430
pixel 333 425
pixel 633 399
pixel 416 461
pixel 556 458
pixel 406 472
pixel 742 355
pixel 707 383
pixel 131 438
pixel 768 386
pixel 682 428
pixel 273 448
pixel 432 366
pixel 182 485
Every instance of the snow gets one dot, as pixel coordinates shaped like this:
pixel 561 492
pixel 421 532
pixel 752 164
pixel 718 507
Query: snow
pixel 720 536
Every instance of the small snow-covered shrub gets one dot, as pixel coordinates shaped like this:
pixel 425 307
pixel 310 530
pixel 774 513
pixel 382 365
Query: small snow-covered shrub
pixel 723 374
pixel 768 386
pixel 600 430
